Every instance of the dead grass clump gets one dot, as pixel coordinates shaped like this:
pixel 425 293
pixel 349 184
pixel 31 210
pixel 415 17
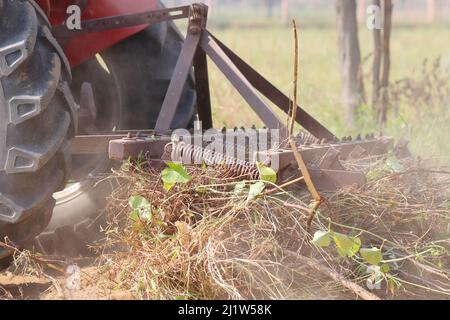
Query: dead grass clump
pixel 201 240
pixel 404 208
pixel 215 239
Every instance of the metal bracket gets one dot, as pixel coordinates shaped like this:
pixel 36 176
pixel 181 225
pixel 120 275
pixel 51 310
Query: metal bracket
pixel 199 36
pixel 182 69
pixel 322 158
pixel 199 44
pixel 330 174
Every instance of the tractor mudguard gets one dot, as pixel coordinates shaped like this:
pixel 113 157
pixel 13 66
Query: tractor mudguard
pixel 83 47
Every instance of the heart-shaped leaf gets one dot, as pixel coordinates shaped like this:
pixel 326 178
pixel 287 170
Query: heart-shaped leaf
pixel 346 246
pixel 322 239
pixel 142 209
pixel 134 215
pixel 255 190
pixel 385 268
pixel 175 173
pixel 266 173
pixel 138 202
pixel 394 164
pixel 372 255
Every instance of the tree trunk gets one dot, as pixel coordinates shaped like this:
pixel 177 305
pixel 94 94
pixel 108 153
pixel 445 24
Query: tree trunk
pixel 349 59
pixel 376 63
pixel 387 25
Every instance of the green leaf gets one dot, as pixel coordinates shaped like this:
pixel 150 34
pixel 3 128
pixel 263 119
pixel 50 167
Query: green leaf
pixel 346 246
pixel 239 188
pixel 142 209
pixel 372 255
pixel 385 268
pixel 255 190
pixel 138 202
pixel 394 165
pixel 134 215
pixel 392 285
pixel 322 239
pixel 178 167
pixel 168 186
pixel 266 173
pixel 175 173
pixel 176 253
pixel 201 189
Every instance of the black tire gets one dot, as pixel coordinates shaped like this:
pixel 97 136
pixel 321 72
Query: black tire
pixel 143 66
pixel 128 95
pixel 36 113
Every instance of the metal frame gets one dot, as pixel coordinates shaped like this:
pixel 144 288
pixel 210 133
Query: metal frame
pixel 199 44
pixel 322 158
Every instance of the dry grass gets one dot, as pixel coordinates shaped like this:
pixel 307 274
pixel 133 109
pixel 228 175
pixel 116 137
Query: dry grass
pixel 206 241
pixel 408 213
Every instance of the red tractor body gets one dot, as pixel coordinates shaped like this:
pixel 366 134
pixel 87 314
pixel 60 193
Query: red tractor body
pixel 84 47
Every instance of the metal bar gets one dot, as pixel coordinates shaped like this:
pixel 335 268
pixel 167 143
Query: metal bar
pixel 314 153
pixel 202 87
pixel 117 22
pixel 120 149
pixel 275 95
pixel 332 180
pixel 177 83
pixel 239 81
pixel 202 82
pixel 93 144
pixel 153 147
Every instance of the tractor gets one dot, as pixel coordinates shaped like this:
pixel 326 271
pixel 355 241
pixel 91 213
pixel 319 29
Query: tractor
pixel 41 80
pixel 74 99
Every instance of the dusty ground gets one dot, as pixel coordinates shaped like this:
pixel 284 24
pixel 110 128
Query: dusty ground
pixel 54 287
pixel 23 287
pixel 408 208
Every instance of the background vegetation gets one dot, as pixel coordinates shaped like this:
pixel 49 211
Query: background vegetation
pixel 267 44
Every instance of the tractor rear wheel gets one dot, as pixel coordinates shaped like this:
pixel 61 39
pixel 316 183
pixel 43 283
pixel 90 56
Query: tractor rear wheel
pixel 37 120
pixel 130 81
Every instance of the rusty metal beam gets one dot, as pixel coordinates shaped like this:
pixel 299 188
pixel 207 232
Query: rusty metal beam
pixel 93 144
pixel 152 147
pixel 315 153
pixel 331 180
pixel 202 83
pixel 181 72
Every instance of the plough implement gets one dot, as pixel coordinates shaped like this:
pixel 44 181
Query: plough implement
pixel 320 148
pixel 59 105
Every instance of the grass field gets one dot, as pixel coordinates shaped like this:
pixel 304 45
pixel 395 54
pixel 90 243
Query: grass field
pixel 270 50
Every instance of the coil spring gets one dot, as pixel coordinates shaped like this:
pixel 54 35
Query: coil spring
pixel 229 167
